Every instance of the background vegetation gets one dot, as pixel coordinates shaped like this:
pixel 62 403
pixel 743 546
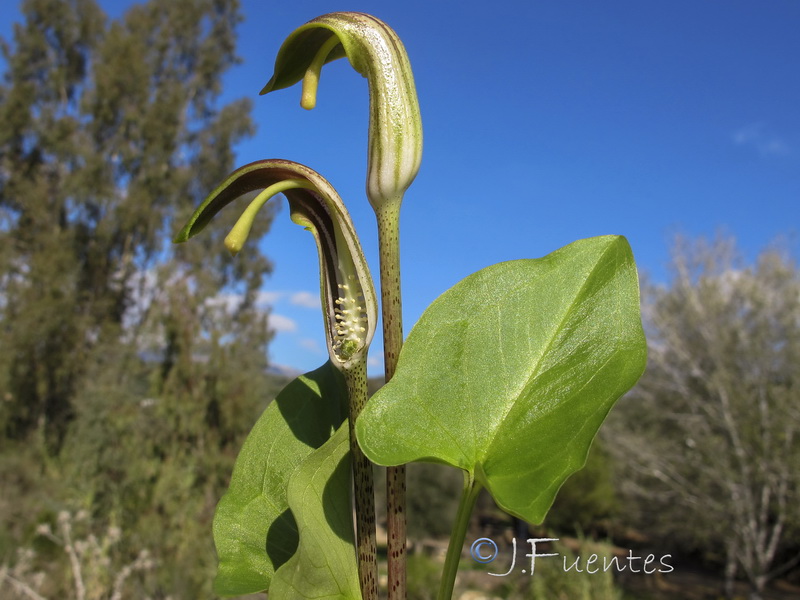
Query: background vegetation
pixel 131 370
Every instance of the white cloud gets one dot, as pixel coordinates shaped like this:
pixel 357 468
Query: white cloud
pixel 264 298
pixel 229 302
pixel 758 137
pixel 282 324
pixel 306 300
pixel 310 344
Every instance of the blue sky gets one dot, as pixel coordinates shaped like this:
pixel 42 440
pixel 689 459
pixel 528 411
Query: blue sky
pixel 544 122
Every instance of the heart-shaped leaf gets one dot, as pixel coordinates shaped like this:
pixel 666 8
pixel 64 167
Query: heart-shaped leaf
pixel 254 531
pixel 510 373
pixel 324 566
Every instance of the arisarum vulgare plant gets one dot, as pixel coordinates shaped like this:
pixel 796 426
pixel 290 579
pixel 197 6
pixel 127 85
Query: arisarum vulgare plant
pixel 507 376
pixel 346 290
pixel 394 153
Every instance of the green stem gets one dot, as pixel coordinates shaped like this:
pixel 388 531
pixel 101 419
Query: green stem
pixel 391 304
pixel 363 485
pixel 468 497
pixel 392 312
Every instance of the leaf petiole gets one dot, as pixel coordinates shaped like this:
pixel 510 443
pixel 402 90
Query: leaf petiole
pixel 469 495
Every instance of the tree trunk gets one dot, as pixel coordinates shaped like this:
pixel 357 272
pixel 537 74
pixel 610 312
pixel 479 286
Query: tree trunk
pixel 730 572
pixel 757 587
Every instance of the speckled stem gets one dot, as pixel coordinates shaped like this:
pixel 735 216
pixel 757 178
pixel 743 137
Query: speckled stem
pixel 391 305
pixel 364 488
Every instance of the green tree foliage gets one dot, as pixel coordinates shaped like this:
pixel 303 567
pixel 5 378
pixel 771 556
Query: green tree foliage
pixel 109 133
pixel 714 425
pixel 121 392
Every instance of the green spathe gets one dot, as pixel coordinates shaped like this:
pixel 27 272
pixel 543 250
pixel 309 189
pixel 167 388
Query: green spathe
pixel 510 373
pixel 376 52
pixel 346 288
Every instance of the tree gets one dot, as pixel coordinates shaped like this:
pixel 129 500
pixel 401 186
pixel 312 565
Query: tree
pixel 117 351
pixel 714 425
pixel 110 134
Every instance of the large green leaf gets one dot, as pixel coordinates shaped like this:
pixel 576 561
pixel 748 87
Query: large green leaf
pixel 510 373
pixel 324 566
pixel 254 531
